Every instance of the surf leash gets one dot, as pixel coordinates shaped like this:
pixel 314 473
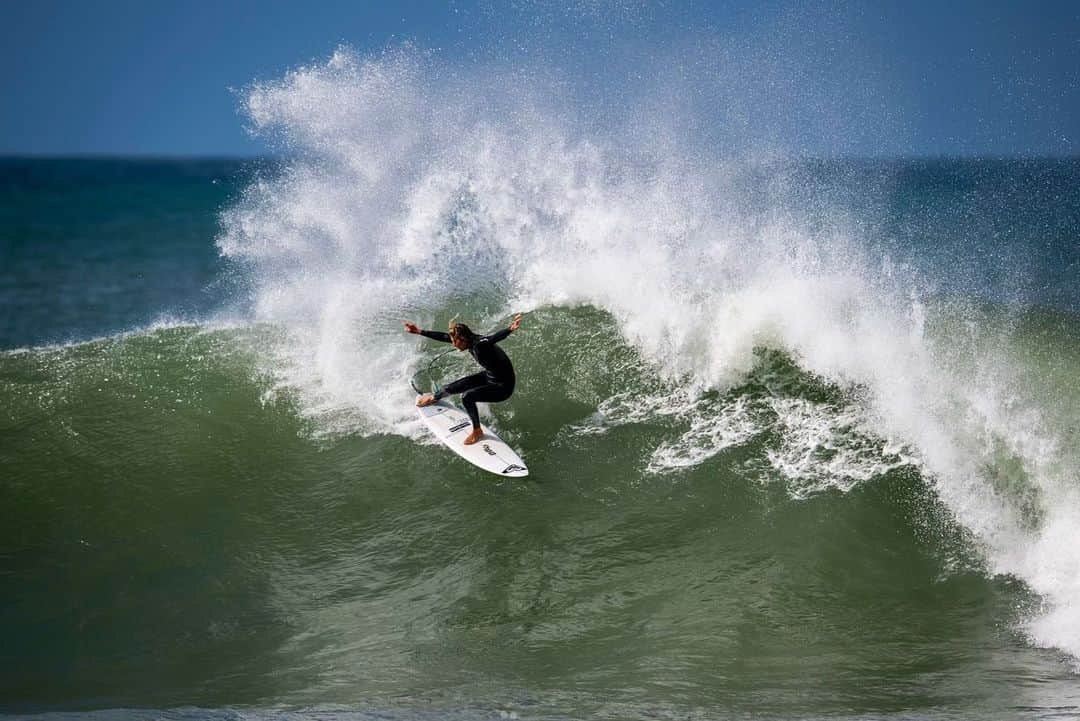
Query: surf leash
pixel 428 371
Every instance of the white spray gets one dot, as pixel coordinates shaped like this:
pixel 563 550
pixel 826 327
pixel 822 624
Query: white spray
pixel 404 191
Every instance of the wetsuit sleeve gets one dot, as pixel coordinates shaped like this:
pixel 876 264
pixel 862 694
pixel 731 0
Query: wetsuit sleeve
pixel 497 335
pixel 436 335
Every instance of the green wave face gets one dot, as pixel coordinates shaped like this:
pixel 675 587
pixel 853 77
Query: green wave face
pixel 178 531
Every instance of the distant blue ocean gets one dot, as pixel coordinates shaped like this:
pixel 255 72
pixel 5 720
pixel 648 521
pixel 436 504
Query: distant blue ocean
pixel 97 246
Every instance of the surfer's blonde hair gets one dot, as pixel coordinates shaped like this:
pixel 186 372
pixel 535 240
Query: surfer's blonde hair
pixel 460 330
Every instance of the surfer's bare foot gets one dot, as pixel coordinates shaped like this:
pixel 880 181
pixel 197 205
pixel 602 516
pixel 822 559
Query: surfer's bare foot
pixel 425 400
pixel 477 434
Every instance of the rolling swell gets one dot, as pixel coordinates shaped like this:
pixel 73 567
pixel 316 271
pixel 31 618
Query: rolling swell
pixel 479 199
pixel 781 459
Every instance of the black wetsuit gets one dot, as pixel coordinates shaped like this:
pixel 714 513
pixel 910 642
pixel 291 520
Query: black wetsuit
pixel 495 384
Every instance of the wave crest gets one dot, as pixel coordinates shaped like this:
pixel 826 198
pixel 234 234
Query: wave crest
pixel 409 193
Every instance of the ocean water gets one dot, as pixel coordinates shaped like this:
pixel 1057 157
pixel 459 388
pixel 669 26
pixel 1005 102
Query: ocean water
pixel 802 433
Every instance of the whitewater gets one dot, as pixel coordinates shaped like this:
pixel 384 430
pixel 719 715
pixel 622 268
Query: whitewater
pixel 407 194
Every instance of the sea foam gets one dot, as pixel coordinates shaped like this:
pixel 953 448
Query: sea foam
pixel 406 190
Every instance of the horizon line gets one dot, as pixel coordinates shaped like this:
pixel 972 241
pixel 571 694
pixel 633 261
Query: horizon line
pixel 180 157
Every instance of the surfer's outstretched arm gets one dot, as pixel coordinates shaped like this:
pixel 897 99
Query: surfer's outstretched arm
pixel 432 334
pixel 502 334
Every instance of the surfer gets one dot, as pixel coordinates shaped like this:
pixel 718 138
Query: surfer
pixel 495 384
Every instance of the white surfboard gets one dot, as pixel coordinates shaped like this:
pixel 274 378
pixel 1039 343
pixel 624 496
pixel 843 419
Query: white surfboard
pixel 450 425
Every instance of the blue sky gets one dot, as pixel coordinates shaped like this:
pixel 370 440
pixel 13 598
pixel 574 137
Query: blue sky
pixel 918 78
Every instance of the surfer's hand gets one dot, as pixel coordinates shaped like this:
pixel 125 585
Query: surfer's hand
pixel 516 322
pixel 411 327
